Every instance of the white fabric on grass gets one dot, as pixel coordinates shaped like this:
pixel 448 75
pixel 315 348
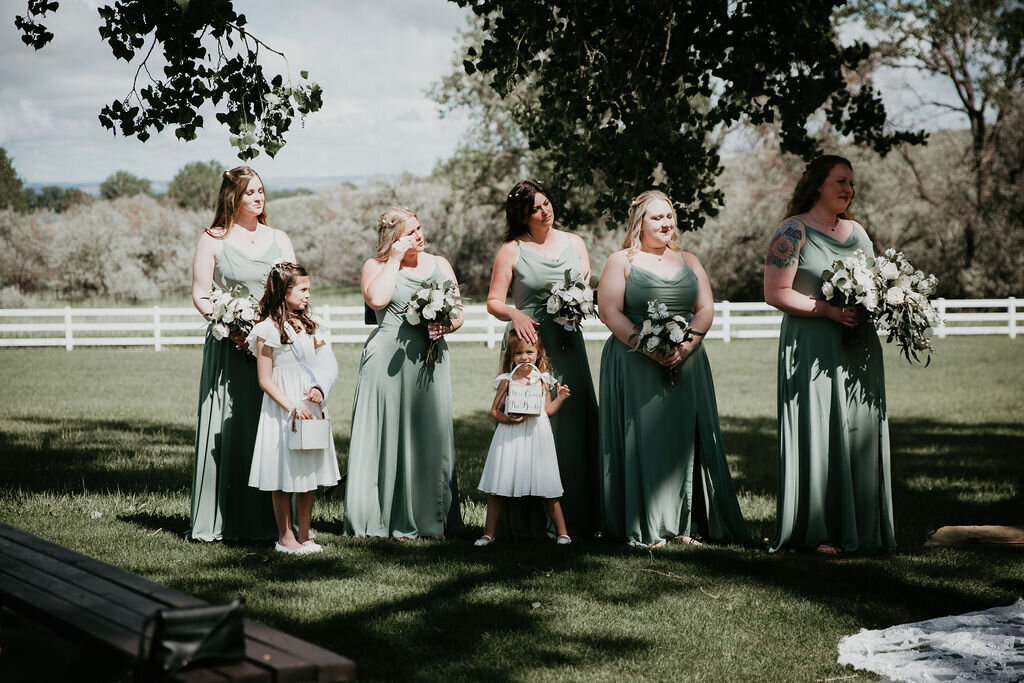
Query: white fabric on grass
pixel 986 645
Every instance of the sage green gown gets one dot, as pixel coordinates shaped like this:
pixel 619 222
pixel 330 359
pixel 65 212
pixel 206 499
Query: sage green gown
pixel 663 467
pixel 835 483
pixel 575 424
pixel 401 464
pixel 224 506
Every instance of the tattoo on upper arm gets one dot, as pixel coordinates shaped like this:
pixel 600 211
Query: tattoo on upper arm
pixel 782 251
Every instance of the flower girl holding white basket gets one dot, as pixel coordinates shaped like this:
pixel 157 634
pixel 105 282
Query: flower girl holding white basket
pixel 522 460
pixel 294 450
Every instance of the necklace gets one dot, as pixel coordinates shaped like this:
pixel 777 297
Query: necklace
pixel 822 226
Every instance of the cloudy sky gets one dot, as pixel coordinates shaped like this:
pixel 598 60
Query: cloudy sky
pixel 374 59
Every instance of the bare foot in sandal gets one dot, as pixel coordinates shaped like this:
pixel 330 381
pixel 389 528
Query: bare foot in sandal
pixel 686 540
pixel 829 549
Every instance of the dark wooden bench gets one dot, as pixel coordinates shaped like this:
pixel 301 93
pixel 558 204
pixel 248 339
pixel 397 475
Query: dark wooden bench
pixel 91 601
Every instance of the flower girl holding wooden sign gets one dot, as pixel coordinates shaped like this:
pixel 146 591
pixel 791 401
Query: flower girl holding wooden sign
pixel 522 459
pixel 294 450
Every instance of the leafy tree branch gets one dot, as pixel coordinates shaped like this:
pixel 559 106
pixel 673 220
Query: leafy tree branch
pixel 209 55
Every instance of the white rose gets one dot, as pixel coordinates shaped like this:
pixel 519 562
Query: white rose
pixel 889 270
pixel 430 311
pixel 662 311
pixel 827 289
pixel 895 296
pixel 863 277
pixel 554 303
pixel 412 317
pixel 676 334
pixel 219 330
pixel 871 300
pixel 646 328
pixel 651 344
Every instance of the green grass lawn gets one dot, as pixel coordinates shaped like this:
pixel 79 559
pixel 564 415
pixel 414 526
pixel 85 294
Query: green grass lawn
pixel 96 451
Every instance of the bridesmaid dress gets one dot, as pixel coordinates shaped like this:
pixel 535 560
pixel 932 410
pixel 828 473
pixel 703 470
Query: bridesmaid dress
pixel 401 466
pixel 663 468
pixel 835 482
pixel 224 506
pixel 575 424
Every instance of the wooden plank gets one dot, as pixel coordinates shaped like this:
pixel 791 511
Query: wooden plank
pixel 125 578
pixel 66 617
pixel 78 603
pixel 330 665
pixel 237 671
pixel 78 579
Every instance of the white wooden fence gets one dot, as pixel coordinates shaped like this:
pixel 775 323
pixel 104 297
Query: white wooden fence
pixel 159 327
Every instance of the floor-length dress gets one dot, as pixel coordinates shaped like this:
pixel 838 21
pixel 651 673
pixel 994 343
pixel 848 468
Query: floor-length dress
pixel 401 466
pixel 834 483
pixel 575 424
pixel 663 467
pixel 224 506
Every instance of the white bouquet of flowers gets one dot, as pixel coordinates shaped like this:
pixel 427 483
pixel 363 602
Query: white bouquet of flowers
pixel 905 311
pixel 661 331
pixel 433 302
pixel 234 310
pixel 852 282
pixel 568 302
pixel 890 293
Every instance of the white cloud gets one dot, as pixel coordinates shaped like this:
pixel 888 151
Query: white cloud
pixel 374 59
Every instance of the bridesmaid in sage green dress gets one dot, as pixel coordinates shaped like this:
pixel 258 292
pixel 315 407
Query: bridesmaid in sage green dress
pixel 536 253
pixel 237 249
pixel 664 473
pixel 835 483
pixel 401 465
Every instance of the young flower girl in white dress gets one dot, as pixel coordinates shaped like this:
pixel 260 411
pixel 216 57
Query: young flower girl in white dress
pixel 522 460
pixel 285 345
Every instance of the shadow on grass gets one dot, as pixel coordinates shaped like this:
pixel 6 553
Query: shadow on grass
pixel 501 613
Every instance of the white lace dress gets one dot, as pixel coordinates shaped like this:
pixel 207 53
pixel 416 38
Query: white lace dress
pixel 522 460
pixel 978 646
pixel 275 467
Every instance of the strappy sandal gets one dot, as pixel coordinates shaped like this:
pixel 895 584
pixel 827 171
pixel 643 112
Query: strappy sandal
pixel 486 539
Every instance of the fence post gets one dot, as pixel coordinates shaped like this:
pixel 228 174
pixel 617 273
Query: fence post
pixel 940 307
pixel 1011 307
pixel 325 313
pixel 157 346
pixel 726 322
pixel 490 330
pixel 68 343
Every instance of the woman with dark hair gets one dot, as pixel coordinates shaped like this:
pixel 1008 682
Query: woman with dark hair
pixel 835 487
pixel 664 475
pixel 536 253
pixel 236 251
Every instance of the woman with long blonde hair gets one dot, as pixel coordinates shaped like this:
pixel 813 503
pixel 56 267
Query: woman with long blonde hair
pixel 401 465
pixel 664 475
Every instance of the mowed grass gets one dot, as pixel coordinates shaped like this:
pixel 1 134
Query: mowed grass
pixel 96 454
